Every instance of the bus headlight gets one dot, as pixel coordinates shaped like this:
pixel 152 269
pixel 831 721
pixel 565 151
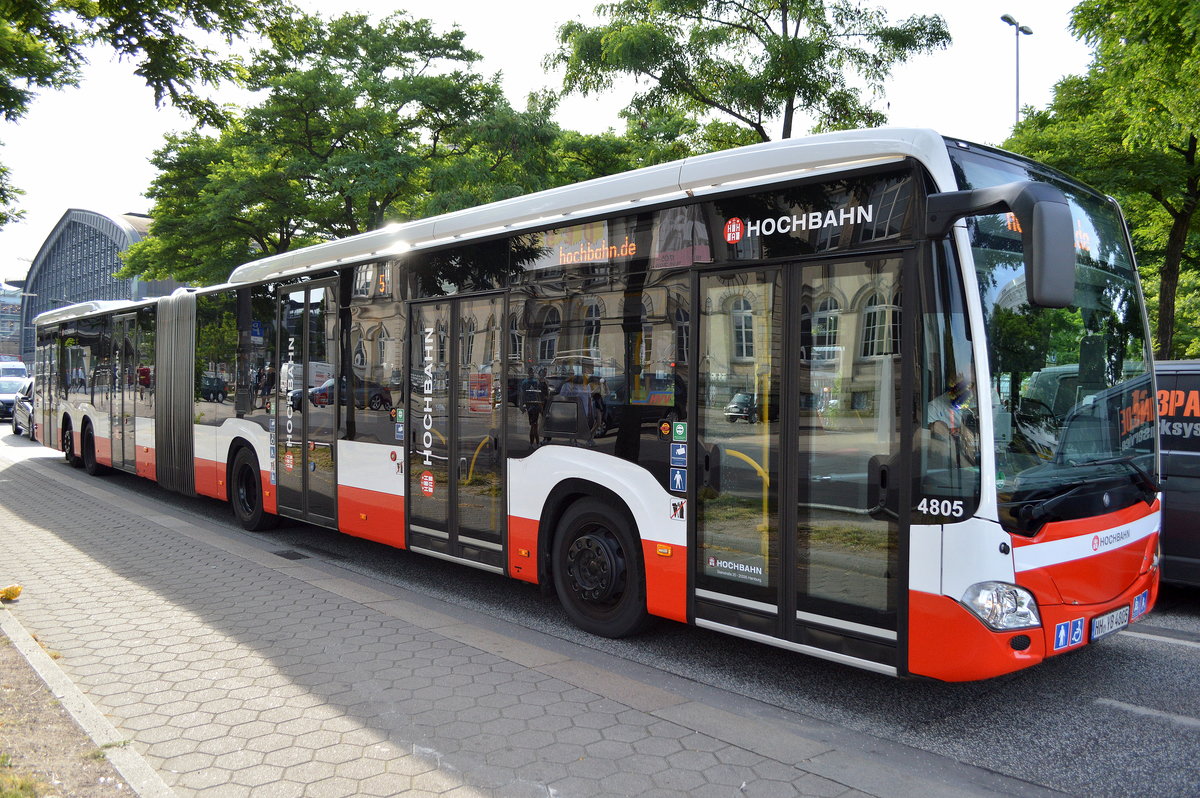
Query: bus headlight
pixel 1002 606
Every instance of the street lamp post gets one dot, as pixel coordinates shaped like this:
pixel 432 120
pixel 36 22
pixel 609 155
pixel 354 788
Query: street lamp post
pixel 1018 30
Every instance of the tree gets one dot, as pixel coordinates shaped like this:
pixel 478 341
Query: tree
pixel 218 202
pixel 1110 129
pixel 42 46
pixel 752 62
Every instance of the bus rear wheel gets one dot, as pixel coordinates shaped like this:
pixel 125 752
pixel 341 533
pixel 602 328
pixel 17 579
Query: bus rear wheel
pixel 68 447
pixel 90 463
pixel 246 493
pixel 597 570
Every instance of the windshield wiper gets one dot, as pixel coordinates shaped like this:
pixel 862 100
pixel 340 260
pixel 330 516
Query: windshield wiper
pixel 1149 487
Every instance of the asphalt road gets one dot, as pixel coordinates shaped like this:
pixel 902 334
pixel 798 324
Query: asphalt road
pixel 1119 718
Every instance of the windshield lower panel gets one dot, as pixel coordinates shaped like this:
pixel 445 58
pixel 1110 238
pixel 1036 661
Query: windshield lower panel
pixel 1071 388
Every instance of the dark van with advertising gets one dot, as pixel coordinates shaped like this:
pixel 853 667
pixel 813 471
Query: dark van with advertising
pixel 1179 428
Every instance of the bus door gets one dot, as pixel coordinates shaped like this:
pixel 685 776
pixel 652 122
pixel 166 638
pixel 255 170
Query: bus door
pixel 307 403
pixel 454 469
pixel 124 381
pixel 792 540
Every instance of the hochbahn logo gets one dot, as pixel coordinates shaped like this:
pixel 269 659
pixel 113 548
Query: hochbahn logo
pixel 736 228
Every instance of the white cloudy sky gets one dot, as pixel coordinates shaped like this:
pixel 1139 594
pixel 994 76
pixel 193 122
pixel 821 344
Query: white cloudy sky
pixel 88 147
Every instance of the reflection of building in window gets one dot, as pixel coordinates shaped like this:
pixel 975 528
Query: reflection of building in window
pixel 891 201
pixel 825 329
pixel 443 353
pixel 516 338
pixel 881 325
pixel 591 327
pixel 683 334
pixel 548 340
pixel 467 328
pixel 362 279
pixel 742 322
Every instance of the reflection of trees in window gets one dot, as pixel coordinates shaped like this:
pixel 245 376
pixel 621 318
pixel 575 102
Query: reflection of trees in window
pixel 741 315
pixel 881 325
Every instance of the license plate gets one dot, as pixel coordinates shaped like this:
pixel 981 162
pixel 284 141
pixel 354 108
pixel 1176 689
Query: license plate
pixel 1109 622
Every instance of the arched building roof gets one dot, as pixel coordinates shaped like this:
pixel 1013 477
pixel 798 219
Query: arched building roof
pixel 76 263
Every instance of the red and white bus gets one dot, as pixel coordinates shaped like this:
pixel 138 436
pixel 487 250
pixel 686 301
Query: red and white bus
pixel 881 397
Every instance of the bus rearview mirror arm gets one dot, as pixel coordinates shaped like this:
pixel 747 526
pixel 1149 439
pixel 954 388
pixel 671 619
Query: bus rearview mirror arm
pixel 1044 219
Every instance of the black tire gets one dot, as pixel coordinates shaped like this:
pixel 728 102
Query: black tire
pixel 598 570
pixel 378 403
pixel 90 463
pixel 68 446
pixel 16 428
pixel 245 493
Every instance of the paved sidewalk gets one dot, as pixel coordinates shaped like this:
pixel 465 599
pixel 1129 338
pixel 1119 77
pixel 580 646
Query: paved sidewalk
pixel 233 670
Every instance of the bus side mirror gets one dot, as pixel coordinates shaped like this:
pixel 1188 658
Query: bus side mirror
pixel 1044 218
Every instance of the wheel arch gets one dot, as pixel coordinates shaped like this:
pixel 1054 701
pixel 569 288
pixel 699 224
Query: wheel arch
pixel 561 497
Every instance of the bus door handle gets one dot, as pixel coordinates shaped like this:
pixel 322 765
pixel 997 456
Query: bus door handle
pixel 882 496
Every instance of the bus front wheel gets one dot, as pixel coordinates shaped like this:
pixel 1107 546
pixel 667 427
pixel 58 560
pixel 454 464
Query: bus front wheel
pixel 246 493
pixel 597 570
pixel 68 447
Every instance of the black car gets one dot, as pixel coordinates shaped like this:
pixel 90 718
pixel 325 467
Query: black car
pixel 213 389
pixel 1179 405
pixel 746 407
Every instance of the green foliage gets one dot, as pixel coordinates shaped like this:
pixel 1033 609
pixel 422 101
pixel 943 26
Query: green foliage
pixel 752 62
pixel 360 124
pixel 1095 130
pixel 42 46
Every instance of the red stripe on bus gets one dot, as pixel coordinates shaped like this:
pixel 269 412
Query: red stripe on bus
pixel 523 548
pixel 269 499
pixel 371 514
pixel 947 642
pixel 1061 530
pixel 210 478
pixel 666 580
pixel 146 461
pixel 103 449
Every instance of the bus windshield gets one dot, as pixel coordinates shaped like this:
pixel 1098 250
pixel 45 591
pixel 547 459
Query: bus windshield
pixel 1071 389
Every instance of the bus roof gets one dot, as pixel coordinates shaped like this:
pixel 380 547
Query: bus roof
pixel 765 163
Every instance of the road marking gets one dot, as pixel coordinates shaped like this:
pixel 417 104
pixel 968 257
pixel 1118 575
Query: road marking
pixel 1178 720
pixel 1162 639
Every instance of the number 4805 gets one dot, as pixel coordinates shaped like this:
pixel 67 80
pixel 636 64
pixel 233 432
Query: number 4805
pixel 952 508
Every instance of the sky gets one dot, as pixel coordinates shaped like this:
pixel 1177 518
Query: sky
pixel 89 147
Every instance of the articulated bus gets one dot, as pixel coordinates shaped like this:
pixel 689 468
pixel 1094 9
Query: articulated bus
pixel 794 392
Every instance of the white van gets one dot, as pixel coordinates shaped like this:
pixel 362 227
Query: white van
pixel 13 368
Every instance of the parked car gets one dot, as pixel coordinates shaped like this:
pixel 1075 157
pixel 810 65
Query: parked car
pixel 9 387
pixel 22 411
pixel 213 389
pixel 1179 406
pixel 745 407
pixel 366 394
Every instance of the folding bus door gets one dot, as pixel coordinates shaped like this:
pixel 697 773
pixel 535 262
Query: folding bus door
pixel 797 422
pixel 456 497
pixel 306 406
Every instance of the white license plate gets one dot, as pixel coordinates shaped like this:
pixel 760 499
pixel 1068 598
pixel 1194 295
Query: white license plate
pixel 1110 622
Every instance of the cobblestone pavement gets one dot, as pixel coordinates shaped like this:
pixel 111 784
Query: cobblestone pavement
pixel 233 671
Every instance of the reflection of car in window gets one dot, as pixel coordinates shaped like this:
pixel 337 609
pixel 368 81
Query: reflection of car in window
pixel 746 407
pixel 366 395
pixel 213 389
